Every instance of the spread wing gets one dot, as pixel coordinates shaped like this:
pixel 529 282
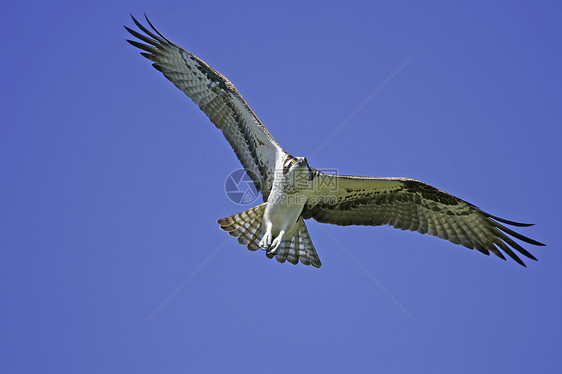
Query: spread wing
pixel 409 204
pixel 218 99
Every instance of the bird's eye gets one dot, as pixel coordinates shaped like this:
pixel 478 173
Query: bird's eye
pixel 293 161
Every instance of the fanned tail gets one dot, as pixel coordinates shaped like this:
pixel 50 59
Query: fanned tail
pixel 298 247
pixel 247 227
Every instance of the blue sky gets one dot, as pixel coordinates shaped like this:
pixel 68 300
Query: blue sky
pixel 112 180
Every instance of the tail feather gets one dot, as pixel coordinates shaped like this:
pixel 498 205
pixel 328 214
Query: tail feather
pixel 247 227
pixel 293 255
pixel 304 246
pixel 251 233
pixel 298 247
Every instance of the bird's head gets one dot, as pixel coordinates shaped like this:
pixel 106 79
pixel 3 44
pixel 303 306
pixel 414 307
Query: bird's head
pixel 297 173
pixel 295 164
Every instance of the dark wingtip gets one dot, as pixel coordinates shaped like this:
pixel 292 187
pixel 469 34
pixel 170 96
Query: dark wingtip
pixel 538 243
pixel 144 47
pixel 134 20
pixel 154 28
pixel 518 260
pixel 512 223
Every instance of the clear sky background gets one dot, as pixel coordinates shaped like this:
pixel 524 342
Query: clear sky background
pixel 112 180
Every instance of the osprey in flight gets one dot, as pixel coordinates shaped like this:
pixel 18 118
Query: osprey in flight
pixel 293 191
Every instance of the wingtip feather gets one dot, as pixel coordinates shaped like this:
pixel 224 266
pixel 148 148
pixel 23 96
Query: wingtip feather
pixel 512 223
pixel 154 28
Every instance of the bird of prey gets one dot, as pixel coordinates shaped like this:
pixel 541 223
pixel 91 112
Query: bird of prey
pixel 293 191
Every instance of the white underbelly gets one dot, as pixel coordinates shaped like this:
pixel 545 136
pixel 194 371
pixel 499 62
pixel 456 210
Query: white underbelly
pixel 283 211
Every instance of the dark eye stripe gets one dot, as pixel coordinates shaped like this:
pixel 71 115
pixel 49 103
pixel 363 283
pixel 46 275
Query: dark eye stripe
pixel 288 162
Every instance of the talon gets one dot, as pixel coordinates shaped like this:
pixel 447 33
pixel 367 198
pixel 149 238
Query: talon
pixel 265 242
pixel 275 244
